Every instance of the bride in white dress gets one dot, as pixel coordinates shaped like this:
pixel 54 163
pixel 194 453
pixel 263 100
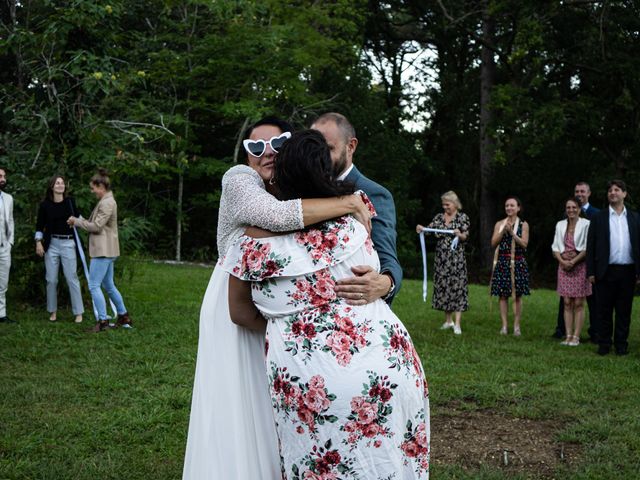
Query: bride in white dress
pixel 231 427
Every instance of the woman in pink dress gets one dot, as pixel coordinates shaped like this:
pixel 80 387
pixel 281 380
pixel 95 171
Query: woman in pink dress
pixel 570 249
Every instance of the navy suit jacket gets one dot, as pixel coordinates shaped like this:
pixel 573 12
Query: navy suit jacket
pixel 590 212
pixel 598 247
pixel 383 231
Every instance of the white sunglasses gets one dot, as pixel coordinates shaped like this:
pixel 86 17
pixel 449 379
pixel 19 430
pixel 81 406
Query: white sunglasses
pixel 257 148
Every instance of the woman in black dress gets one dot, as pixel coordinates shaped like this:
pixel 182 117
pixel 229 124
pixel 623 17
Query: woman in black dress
pixel 510 239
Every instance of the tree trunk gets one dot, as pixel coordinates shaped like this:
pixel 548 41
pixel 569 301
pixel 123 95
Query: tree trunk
pixel 487 142
pixel 238 146
pixel 179 217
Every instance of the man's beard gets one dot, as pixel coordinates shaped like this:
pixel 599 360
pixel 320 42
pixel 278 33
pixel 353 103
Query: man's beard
pixel 2 185
pixel 341 163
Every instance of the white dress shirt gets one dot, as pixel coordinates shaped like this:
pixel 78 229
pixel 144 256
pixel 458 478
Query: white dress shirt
pixel 344 174
pixel 619 239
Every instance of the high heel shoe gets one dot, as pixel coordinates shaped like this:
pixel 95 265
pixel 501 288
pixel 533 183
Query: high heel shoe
pixel 575 341
pixel 503 331
pixel 516 331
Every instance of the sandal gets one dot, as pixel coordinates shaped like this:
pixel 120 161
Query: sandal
pixel 503 331
pixel 516 331
pixel 567 340
pixel 575 342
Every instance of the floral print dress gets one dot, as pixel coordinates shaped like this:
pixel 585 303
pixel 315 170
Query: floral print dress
pixel 451 291
pixel 348 391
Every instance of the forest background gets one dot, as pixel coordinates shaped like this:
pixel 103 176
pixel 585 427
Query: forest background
pixel 485 97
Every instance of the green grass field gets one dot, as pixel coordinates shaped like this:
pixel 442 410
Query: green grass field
pixel 116 405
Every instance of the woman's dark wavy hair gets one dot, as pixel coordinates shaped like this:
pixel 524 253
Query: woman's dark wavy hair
pixel 51 183
pixel 304 168
pixel 283 125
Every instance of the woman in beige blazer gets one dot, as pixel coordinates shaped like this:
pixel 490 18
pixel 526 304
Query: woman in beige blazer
pixel 104 250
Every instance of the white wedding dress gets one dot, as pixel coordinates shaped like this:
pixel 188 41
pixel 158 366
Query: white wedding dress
pixel 232 433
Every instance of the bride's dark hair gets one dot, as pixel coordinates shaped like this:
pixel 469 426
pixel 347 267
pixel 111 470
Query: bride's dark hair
pixel 304 169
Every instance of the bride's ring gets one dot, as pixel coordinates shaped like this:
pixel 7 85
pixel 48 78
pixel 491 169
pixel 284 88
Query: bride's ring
pixel 361 296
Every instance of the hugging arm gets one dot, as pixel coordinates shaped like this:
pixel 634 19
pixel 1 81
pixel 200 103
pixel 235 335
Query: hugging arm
pixel 255 206
pixel 242 310
pixel 368 285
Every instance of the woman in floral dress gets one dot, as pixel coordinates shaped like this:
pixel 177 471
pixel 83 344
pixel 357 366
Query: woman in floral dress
pixel 451 291
pixel 230 406
pixel 510 239
pixel 570 250
pixel 348 390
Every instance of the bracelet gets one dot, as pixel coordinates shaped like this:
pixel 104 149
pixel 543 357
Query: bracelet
pixel 391 289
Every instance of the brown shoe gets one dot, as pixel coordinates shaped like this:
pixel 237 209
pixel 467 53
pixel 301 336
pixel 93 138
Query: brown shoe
pixel 124 321
pixel 100 326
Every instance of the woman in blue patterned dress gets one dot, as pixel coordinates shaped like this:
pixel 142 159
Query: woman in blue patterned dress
pixel 347 387
pixel 510 238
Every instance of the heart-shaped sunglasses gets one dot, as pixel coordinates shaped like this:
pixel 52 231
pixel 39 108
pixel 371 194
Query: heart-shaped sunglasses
pixel 257 148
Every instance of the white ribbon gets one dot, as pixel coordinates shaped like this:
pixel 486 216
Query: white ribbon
pixel 86 275
pixel 454 245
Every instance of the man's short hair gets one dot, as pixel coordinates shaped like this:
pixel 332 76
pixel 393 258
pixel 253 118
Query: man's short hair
pixel 617 183
pixel 585 184
pixel 348 132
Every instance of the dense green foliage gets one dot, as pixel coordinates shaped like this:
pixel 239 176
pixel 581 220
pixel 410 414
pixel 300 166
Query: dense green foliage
pixel 159 91
pixel 116 405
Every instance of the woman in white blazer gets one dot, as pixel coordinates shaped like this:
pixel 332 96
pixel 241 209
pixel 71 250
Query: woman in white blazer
pixel 570 250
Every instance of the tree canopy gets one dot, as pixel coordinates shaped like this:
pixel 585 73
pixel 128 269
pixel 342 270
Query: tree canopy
pixel 485 97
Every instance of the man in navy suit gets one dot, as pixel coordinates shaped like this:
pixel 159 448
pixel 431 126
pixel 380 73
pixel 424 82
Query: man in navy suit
pixel 367 284
pixel 582 192
pixel 613 266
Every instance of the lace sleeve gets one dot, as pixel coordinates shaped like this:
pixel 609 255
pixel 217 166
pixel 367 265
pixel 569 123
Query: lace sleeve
pixel 251 204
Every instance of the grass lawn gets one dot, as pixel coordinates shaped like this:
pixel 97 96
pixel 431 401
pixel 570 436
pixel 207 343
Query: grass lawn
pixel 116 405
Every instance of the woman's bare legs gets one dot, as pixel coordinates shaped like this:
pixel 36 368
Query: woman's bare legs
pixel 578 315
pixel 504 311
pixel 517 314
pixel 568 319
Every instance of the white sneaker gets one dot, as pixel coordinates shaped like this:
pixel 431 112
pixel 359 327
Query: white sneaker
pixel 446 326
pixel 457 330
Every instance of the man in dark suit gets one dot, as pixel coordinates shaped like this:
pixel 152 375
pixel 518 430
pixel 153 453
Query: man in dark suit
pixel 613 266
pixel 582 192
pixel 367 284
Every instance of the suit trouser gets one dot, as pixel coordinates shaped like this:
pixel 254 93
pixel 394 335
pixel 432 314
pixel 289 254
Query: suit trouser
pixel 593 316
pixel 5 266
pixel 62 251
pixel 615 292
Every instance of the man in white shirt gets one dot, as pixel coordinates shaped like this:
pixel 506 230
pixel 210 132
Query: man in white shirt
pixel 6 242
pixel 613 266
